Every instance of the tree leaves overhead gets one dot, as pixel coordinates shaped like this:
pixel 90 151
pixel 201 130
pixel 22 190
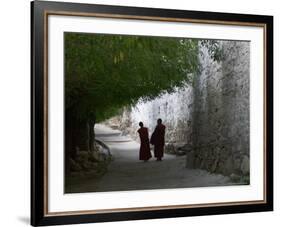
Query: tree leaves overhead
pixel 214 49
pixel 106 72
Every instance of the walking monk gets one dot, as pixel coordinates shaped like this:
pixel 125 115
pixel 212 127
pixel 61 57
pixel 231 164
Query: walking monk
pixel 158 140
pixel 144 146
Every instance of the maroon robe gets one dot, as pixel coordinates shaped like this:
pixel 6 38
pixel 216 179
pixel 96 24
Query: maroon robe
pixel 158 140
pixel 144 146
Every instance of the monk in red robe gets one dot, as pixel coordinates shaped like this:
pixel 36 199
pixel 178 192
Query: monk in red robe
pixel 145 153
pixel 158 140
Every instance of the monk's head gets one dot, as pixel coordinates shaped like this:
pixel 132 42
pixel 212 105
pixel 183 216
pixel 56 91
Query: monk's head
pixel 141 124
pixel 159 121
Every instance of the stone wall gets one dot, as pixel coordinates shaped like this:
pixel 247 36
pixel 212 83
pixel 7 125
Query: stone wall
pixel 221 111
pixel 211 119
pixel 174 109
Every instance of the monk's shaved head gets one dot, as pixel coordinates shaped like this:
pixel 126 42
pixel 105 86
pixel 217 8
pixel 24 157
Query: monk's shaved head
pixel 159 121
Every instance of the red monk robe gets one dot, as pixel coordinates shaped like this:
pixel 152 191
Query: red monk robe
pixel 158 140
pixel 144 146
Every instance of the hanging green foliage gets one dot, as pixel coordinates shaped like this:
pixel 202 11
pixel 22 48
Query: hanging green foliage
pixel 106 72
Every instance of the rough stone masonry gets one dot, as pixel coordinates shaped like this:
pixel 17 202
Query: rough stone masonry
pixel 221 112
pixel 209 121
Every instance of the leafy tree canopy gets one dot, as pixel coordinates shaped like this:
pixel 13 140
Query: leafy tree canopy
pixel 106 72
pixel 214 49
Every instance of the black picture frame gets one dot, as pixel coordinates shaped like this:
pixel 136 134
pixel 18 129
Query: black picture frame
pixel 39 12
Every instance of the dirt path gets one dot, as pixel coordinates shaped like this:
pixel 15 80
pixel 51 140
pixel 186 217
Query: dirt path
pixel 126 172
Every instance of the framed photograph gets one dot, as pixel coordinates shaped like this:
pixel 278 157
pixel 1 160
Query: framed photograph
pixel 141 113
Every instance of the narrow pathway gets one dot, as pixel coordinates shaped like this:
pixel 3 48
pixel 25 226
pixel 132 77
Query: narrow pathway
pixel 126 172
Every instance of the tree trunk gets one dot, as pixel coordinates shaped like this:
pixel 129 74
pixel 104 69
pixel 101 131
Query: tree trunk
pixel 91 130
pixel 76 137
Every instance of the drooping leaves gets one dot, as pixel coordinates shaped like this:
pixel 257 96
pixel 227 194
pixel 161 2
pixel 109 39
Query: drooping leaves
pixel 106 72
